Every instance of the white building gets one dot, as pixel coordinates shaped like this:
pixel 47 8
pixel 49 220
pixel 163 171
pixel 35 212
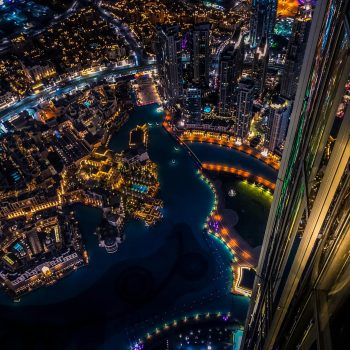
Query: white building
pixel 278 117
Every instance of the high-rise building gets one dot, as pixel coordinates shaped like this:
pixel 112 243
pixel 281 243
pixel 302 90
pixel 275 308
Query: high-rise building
pixel 301 293
pixel 260 66
pixel 201 54
pixel 277 122
pixel 296 50
pixel 244 96
pixel 168 52
pixel 226 78
pixel 193 104
pixel 262 20
pixel 230 69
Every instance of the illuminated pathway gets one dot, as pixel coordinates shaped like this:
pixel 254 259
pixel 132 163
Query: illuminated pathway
pixel 240 173
pixel 226 140
pixel 219 319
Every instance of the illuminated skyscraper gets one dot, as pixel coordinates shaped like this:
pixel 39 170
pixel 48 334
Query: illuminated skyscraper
pixel 244 96
pixel 301 294
pixel 262 20
pixel 226 78
pixel 295 51
pixel 277 123
pixel 201 54
pixel 230 69
pixel 260 66
pixel 192 104
pixel 168 52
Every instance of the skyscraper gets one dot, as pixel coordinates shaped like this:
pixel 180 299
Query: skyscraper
pixel 226 77
pixel 192 104
pixel 244 95
pixel 295 51
pixel 301 291
pixel 262 20
pixel 201 54
pixel 260 66
pixel 230 69
pixel 277 123
pixel 168 52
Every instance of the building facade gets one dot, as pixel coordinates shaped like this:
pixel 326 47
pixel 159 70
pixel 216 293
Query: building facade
pixel 277 122
pixel 230 69
pixel 262 20
pixel 201 54
pixel 301 291
pixel 193 104
pixel 244 96
pixel 296 50
pixel 168 52
pixel 260 66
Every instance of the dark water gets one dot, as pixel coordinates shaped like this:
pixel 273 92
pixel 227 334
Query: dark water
pixel 158 274
pixel 252 204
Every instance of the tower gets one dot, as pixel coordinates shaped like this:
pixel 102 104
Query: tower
pixel 193 104
pixel 168 52
pixel 278 116
pixel 230 69
pixel 301 291
pixel 260 65
pixel 262 20
pixel 295 51
pixel 244 96
pixel 226 78
pixel 201 54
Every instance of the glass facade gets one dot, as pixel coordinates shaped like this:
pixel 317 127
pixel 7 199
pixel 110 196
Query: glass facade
pixel 301 284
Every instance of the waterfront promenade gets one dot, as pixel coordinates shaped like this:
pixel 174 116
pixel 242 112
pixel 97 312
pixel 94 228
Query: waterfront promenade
pixel 227 140
pixel 221 221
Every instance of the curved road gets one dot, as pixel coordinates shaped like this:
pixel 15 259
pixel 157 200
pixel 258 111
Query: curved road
pixel 50 92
